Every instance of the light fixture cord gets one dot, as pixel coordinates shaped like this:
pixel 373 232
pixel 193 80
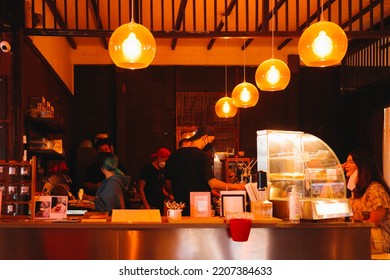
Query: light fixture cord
pixel 132 10
pixel 244 60
pixel 273 29
pixel 226 71
pixel 322 10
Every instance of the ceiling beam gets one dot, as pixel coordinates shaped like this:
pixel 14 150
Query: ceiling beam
pixel 179 20
pixel 98 21
pixel 52 6
pixel 228 10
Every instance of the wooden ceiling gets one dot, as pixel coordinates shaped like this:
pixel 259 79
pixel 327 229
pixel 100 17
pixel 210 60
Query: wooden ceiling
pixel 176 23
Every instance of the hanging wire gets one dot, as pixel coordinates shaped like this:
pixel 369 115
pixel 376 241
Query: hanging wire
pixel 132 10
pixel 226 71
pixel 273 29
pixel 244 60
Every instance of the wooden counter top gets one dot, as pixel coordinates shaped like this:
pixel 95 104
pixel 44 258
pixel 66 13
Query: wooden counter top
pixel 213 222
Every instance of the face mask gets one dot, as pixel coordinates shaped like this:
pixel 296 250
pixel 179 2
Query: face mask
pixel 161 164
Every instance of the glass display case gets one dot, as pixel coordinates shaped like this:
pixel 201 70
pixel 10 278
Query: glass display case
pixel 301 160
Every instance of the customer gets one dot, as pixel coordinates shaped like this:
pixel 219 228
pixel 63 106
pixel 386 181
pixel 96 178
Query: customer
pixel 190 170
pixel 110 194
pixel 151 183
pixel 370 194
pixel 93 175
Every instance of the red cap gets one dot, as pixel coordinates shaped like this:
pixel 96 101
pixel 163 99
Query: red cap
pixel 162 153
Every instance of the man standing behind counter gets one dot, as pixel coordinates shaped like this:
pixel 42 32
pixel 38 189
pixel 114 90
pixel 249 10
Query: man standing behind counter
pixel 189 170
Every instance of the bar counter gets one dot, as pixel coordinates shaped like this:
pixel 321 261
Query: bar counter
pixel 188 239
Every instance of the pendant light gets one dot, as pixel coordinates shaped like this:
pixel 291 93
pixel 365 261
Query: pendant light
pixel 322 44
pixel 245 94
pixel 272 74
pixel 225 107
pixel 132 45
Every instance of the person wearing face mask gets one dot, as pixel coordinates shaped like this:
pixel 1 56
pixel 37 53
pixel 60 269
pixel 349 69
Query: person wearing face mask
pixel 190 169
pixel 370 199
pixel 151 183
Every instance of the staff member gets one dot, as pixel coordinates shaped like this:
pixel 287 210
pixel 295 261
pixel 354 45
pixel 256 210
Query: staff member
pixel 190 170
pixel 151 183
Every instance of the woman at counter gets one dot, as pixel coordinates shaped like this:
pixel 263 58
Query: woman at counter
pixel 109 195
pixel 370 198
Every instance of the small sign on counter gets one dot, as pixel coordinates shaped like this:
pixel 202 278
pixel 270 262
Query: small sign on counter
pixel 50 207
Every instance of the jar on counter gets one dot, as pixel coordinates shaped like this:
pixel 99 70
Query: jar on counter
pixel 262 208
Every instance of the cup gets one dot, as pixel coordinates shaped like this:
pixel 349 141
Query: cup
pixel 174 214
pixel 240 229
pixel 240 225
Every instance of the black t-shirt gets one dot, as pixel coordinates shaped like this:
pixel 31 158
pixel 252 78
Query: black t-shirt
pixel 154 182
pixel 189 169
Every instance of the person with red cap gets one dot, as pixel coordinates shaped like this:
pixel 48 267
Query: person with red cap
pixel 151 183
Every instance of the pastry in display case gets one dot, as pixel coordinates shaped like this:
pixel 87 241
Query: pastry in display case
pixel 301 161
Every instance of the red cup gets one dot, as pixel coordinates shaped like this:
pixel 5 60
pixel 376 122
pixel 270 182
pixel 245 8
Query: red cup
pixel 240 229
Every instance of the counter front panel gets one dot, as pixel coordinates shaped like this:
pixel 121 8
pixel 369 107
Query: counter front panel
pixel 165 241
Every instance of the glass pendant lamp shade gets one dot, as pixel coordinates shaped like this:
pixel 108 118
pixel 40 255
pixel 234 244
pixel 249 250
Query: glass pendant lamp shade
pixel 225 108
pixel 245 95
pixel 272 75
pixel 322 44
pixel 132 46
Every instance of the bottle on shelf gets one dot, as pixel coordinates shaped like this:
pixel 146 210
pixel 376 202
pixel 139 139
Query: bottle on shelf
pixel 24 197
pixel 3 168
pixel 294 205
pixel 12 172
pixel 10 206
pixel 25 172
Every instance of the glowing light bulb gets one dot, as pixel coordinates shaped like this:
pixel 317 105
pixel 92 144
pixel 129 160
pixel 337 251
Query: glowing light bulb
pixel 245 95
pixel 272 75
pixel 226 107
pixel 322 45
pixel 132 47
